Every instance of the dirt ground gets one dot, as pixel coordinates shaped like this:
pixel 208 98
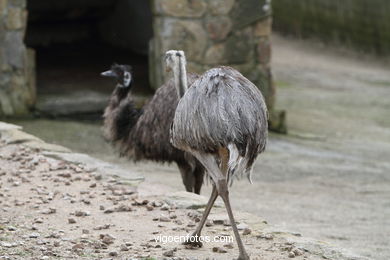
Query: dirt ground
pixel 329 177
pixel 51 209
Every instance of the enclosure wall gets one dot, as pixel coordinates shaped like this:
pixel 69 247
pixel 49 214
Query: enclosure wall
pixel 17 73
pixel 363 24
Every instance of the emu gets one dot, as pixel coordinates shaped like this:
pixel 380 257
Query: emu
pixel 143 134
pixel 222 121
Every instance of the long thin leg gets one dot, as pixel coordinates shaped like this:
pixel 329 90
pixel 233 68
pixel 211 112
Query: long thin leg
pixel 222 188
pixel 224 193
pixel 210 203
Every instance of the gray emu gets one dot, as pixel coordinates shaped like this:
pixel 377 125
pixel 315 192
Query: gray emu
pixel 222 121
pixel 144 133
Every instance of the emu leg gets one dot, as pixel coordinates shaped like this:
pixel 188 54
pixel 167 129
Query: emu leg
pixel 187 176
pixel 224 193
pixel 206 213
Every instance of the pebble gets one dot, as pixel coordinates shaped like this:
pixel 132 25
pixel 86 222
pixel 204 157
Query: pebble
pixel 113 253
pixel 80 213
pixel 291 254
pixel 49 211
pixel 34 235
pixel 107 239
pixel 209 223
pixel 169 253
pixel 246 231
pixel 229 245
pixel 219 250
pixel 71 221
pixel 93 185
pixel 124 248
pixel 164 219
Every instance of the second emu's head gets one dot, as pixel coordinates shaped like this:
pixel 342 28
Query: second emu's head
pixel 122 74
pixel 173 58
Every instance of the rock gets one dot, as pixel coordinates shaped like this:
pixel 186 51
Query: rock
pixel 123 208
pixel 190 34
pixel 242 226
pixel 291 254
pixel 34 235
pixel 229 245
pixel 297 251
pixel 220 7
pixel 109 210
pixel 113 253
pixel 106 226
pixel 71 221
pixel 164 207
pixel 107 239
pixel 149 207
pixel 263 51
pixel 181 8
pixel 209 223
pixel 93 185
pixel 219 250
pixel 123 247
pixel 246 231
pixel 49 211
pixel 85 231
pixel 263 27
pixel 164 219
pixel 81 213
pixel 218 27
pixel 169 253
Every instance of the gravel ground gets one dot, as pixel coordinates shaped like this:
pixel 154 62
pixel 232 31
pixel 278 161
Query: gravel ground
pixel 51 209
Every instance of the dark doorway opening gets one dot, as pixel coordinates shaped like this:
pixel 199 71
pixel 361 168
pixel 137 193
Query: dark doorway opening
pixel 76 40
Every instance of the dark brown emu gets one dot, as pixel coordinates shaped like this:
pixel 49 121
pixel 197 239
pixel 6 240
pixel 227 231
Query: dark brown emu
pixel 143 134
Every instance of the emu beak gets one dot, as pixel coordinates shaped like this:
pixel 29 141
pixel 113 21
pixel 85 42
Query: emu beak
pixel 108 73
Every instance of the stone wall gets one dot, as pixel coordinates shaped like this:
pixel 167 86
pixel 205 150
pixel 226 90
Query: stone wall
pixel 17 63
pixel 215 32
pixel 363 24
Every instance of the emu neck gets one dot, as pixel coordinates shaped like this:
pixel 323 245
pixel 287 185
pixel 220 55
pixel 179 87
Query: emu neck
pixel 180 77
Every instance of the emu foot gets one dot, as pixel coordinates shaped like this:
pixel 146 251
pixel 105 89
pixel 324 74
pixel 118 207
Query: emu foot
pixel 243 256
pixel 193 241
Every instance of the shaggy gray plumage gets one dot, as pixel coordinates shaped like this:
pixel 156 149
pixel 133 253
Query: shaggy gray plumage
pixel 144 134
pixel 222 109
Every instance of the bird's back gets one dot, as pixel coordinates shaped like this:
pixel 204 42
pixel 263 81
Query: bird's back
pixel 150 137
pixel 222 109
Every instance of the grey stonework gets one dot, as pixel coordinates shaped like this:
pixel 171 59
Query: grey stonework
pixel 214 32
pixel 17 63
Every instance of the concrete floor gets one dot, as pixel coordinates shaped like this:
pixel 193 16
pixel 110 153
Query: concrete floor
pixel 330 177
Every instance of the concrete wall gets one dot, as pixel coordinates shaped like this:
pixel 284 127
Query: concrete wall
pixel 17 72
pixel 214 32
pixel 363 24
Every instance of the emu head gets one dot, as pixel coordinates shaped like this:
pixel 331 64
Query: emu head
pixel 173 59
pixel 122 74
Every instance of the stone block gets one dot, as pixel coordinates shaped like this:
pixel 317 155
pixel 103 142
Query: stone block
pixel 17 3
pixel 16 18
pixel 239 46
pixel 247 12
pixel 14 49
pixel 220 7
pixel 180 8
pixel 3 5
pixel 263 50
pixel 215 54
pixel 183 34
pixel 218 27
pixel 263 27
